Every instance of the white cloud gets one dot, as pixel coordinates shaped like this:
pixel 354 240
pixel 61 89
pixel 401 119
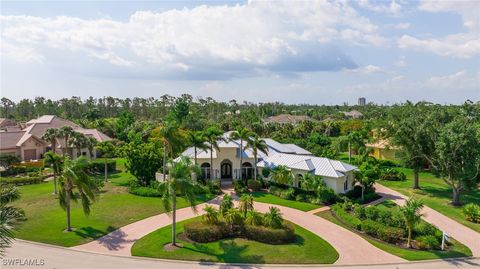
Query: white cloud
pixel 224 40
pixel 393 8
pixel 460 79
pixel 462 45
pixel 401 62
pixel 367 69
pixel 402 26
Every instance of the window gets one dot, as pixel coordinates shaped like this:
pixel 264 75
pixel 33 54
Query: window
pixel 345 185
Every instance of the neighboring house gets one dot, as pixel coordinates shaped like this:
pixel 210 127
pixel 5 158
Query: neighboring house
pixel 27 143
pixel 382 150
pixel 226 163
pixel 353 114
pixel 4 123
pixel 287 119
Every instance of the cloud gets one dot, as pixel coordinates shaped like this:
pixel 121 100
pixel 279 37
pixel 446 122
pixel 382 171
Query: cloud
pixel 402 26
pixel 462 45
pixel 393 8
pixel 368 69
pixel 206 41
pixel 460 79
pixel 401 62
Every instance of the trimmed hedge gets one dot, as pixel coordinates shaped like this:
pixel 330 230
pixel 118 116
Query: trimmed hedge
pixel 472 212
pixel 427 242
pixel 203 233
pixel 18 181
pixel 391 174
pixel 254 185
pixel 98 166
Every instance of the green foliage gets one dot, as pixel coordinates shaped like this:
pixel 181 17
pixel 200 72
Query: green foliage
pixel 283 235
pixel 254 185
pixel 391 174
pixel 8 160
pixel 245 204
pixel 411 215
pixel 10 216
pixel 427 242
pixel 226 204
pixel 472 212
pixel 239 187
pixel 273 218
pixel 254 218
pixel 143 160
pixel 18 181
pixel 139 190
pixel 282 175
pixel 98 166
pixel 211 215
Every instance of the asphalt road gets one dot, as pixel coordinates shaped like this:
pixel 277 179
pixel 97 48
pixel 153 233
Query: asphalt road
pixel 43 256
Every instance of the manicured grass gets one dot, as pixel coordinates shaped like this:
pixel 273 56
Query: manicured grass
pixel 264 197
pixel 436 194
pixel 307 249
pixel 115 207
pixel 457 250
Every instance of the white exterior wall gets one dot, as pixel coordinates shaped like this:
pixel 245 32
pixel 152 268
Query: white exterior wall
pixel 225 154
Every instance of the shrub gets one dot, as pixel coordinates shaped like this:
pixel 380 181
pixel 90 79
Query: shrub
pixel 288 194
pixel 387 163
pixel 371 212
pixel 204 233
pixel 255 185
pixel 254 218
pixel 286 234
pixel 472 212
pixel 392 175
pixel 273 218
pixel 326 195
pixel 226 204
pixel 239 187
pixel 359 212
pixel 424 228
pixel 98 166
pixel 18 181
pixel 382 232
pixel 427 242
pixel 348 219
pixel 144 191
pixel 214 187
pixel 211 215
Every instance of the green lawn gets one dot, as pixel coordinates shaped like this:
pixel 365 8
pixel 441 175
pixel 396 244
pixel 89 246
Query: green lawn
pixel 115 207
pixel 457 250
pixel 307 249
pixel 436 194
pixel 264 197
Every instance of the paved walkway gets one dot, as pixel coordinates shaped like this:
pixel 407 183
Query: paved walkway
pixel 352 248
pixel 461 233
pixel 64 258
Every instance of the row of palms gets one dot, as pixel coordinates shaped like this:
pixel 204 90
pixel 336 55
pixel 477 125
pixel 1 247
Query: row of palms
pixel 70 138
pixel 209 139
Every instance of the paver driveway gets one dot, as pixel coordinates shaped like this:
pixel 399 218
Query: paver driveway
pixel 461 233
pixel 352 248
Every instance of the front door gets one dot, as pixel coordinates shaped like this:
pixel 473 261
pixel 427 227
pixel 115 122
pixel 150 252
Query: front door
pixel 30 154
pixel 226 170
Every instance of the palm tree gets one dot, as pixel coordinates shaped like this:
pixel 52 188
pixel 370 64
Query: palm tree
pixel 226 204
pixel 75 182
pixel 92 143
pixel 55 161
pixel 257 144
pixel 282 175
pixel 232 217
pixel 273 218
pixel 243 134
pixel 254 218
pixel 197 140
pixel 51 135
pixel 179 181
pixel 107 150
pixel 211 215
pixel 213 134
pixel 411 215
pixel 170 136
pixel 245 204
pixel 9 216
pixel 65 132
pixel 79 141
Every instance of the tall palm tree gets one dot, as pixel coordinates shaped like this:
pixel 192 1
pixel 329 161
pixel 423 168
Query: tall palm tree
pixel 65 132
pixel 197 140
pixel 92 142
pixel 213 134
pixel 55 161
pixel 282 175
pixel 79 141
pixel 107 150
pixel 9 216
pixel 179 181
pixel 245 204
pixel 171 137
pixel 243 134
pixel 411 215
pixel 51 135
pixel 75 182
pixel 257 144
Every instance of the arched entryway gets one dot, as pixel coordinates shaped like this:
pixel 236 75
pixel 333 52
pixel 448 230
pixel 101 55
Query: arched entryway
pixel 205 167
pixel 299 181
pixel 247 170
pixel 226 169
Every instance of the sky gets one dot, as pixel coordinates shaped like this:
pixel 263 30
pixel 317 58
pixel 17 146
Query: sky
pixel 316 52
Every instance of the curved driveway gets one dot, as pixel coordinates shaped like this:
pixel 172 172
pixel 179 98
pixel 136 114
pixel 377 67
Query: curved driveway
pixel 352 248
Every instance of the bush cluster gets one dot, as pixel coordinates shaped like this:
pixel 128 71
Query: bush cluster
pixel 203 233
pixel 98 166
pixel 16 170
pixel 472 212
pixel 18 181
pixel 391 174
pixel 322 196
pixel 239 187
pixel 254 185
pixel 355 195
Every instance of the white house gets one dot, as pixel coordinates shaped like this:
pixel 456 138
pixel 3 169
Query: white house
pixel 226 163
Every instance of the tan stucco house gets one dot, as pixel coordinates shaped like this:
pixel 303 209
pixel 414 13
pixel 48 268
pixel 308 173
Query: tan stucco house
pixel 226 163
pixel 27 143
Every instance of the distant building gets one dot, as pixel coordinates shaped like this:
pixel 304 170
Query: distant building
pixel 4 123
pixel 362 101
pixel 383 150
pixel 287 118
pixel 353 114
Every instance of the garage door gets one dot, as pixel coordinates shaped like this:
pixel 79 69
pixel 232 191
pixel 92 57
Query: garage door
pixel 30 154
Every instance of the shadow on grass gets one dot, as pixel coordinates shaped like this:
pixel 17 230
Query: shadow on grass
pixel 93 233
pixel 230 252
